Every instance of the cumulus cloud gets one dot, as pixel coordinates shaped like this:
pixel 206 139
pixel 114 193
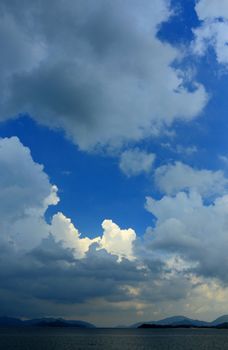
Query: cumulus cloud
pixel 196 232
pixel 65 232
pixel 190 232
pixel 20 177
pixel 113 239
pixel 187 225
pixel 53 261
pixel 117 241
pixel 50 268
pixel 207 9
pixel 134 162
pixel 25 194
pixel 213 29
pixel 96 70
pixel 176 177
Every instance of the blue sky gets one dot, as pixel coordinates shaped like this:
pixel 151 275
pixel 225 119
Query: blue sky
pixel 124 104
pixel 91 186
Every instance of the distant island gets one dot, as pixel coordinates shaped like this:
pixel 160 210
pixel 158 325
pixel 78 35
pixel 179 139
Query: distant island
pixel 43 322
pixel 184 322
pixel 170 322
pixel 154 326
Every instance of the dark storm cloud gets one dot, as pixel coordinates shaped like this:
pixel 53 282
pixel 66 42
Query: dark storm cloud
pixel 50 273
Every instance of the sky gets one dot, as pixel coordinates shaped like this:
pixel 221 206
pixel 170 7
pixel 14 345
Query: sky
pixel 114 159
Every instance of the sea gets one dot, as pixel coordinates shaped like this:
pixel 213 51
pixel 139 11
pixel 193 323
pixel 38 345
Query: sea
pixel 110 339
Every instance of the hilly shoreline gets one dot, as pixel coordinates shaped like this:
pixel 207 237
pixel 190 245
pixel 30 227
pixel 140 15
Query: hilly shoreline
pixel 184 322
pixel 44 322
pixel 170 322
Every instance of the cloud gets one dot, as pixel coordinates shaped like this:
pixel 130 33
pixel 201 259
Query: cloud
pixel 223 158
pixel 196 232
pixel 96 70
pixel 65 232
pixel 207 9
pixel 176 177
pixel 52 269
pixel 187 225
pixel 179 149
pixel 134 162
pixel 25 194
pixel 117 241
pixel 190 231
pixel 42 262
pixel 20 177
pixel 213 29
pixel 114 240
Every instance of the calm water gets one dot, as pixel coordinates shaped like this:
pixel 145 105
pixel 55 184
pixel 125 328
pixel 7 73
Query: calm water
pixel 72 339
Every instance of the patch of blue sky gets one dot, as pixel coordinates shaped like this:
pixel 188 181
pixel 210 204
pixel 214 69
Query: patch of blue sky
pixel 91 186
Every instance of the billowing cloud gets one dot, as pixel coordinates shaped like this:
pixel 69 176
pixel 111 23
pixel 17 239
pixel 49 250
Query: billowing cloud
pixel 207 9
pixel 196 232
pixel 117 241
pixel 135 161
pixel 176 177
pixel 113 239
pixel 96 70
pixel 53 261
pixel 25 194
pixel 189 226
pixel 65 232
pixel 50 268
pixel 47 268
pixel 213 29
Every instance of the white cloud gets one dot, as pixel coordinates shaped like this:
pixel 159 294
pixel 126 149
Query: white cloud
pixel 24 184
pixel 134 162
pixel 65 232
pixel 25 194
pixel 207 9
pixel 188 151
pixel 117 241
pixel 188 226
pixel 193 230
pixel 114 240
pixel 213 30
pixel 101 75
pixel 173 178
pixel 180 149
pixel 224 159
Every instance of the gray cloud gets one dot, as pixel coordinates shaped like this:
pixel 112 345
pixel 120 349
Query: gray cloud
pixel 173 178
pixel 192 229
pixel 95 70
pixel 135 162
pixel 50 269
pixel 44 266
pixel 51 274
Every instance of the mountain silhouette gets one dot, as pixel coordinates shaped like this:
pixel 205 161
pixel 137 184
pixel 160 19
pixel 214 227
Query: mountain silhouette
pixel 176 321
pixel 220 320
pixel 43 322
